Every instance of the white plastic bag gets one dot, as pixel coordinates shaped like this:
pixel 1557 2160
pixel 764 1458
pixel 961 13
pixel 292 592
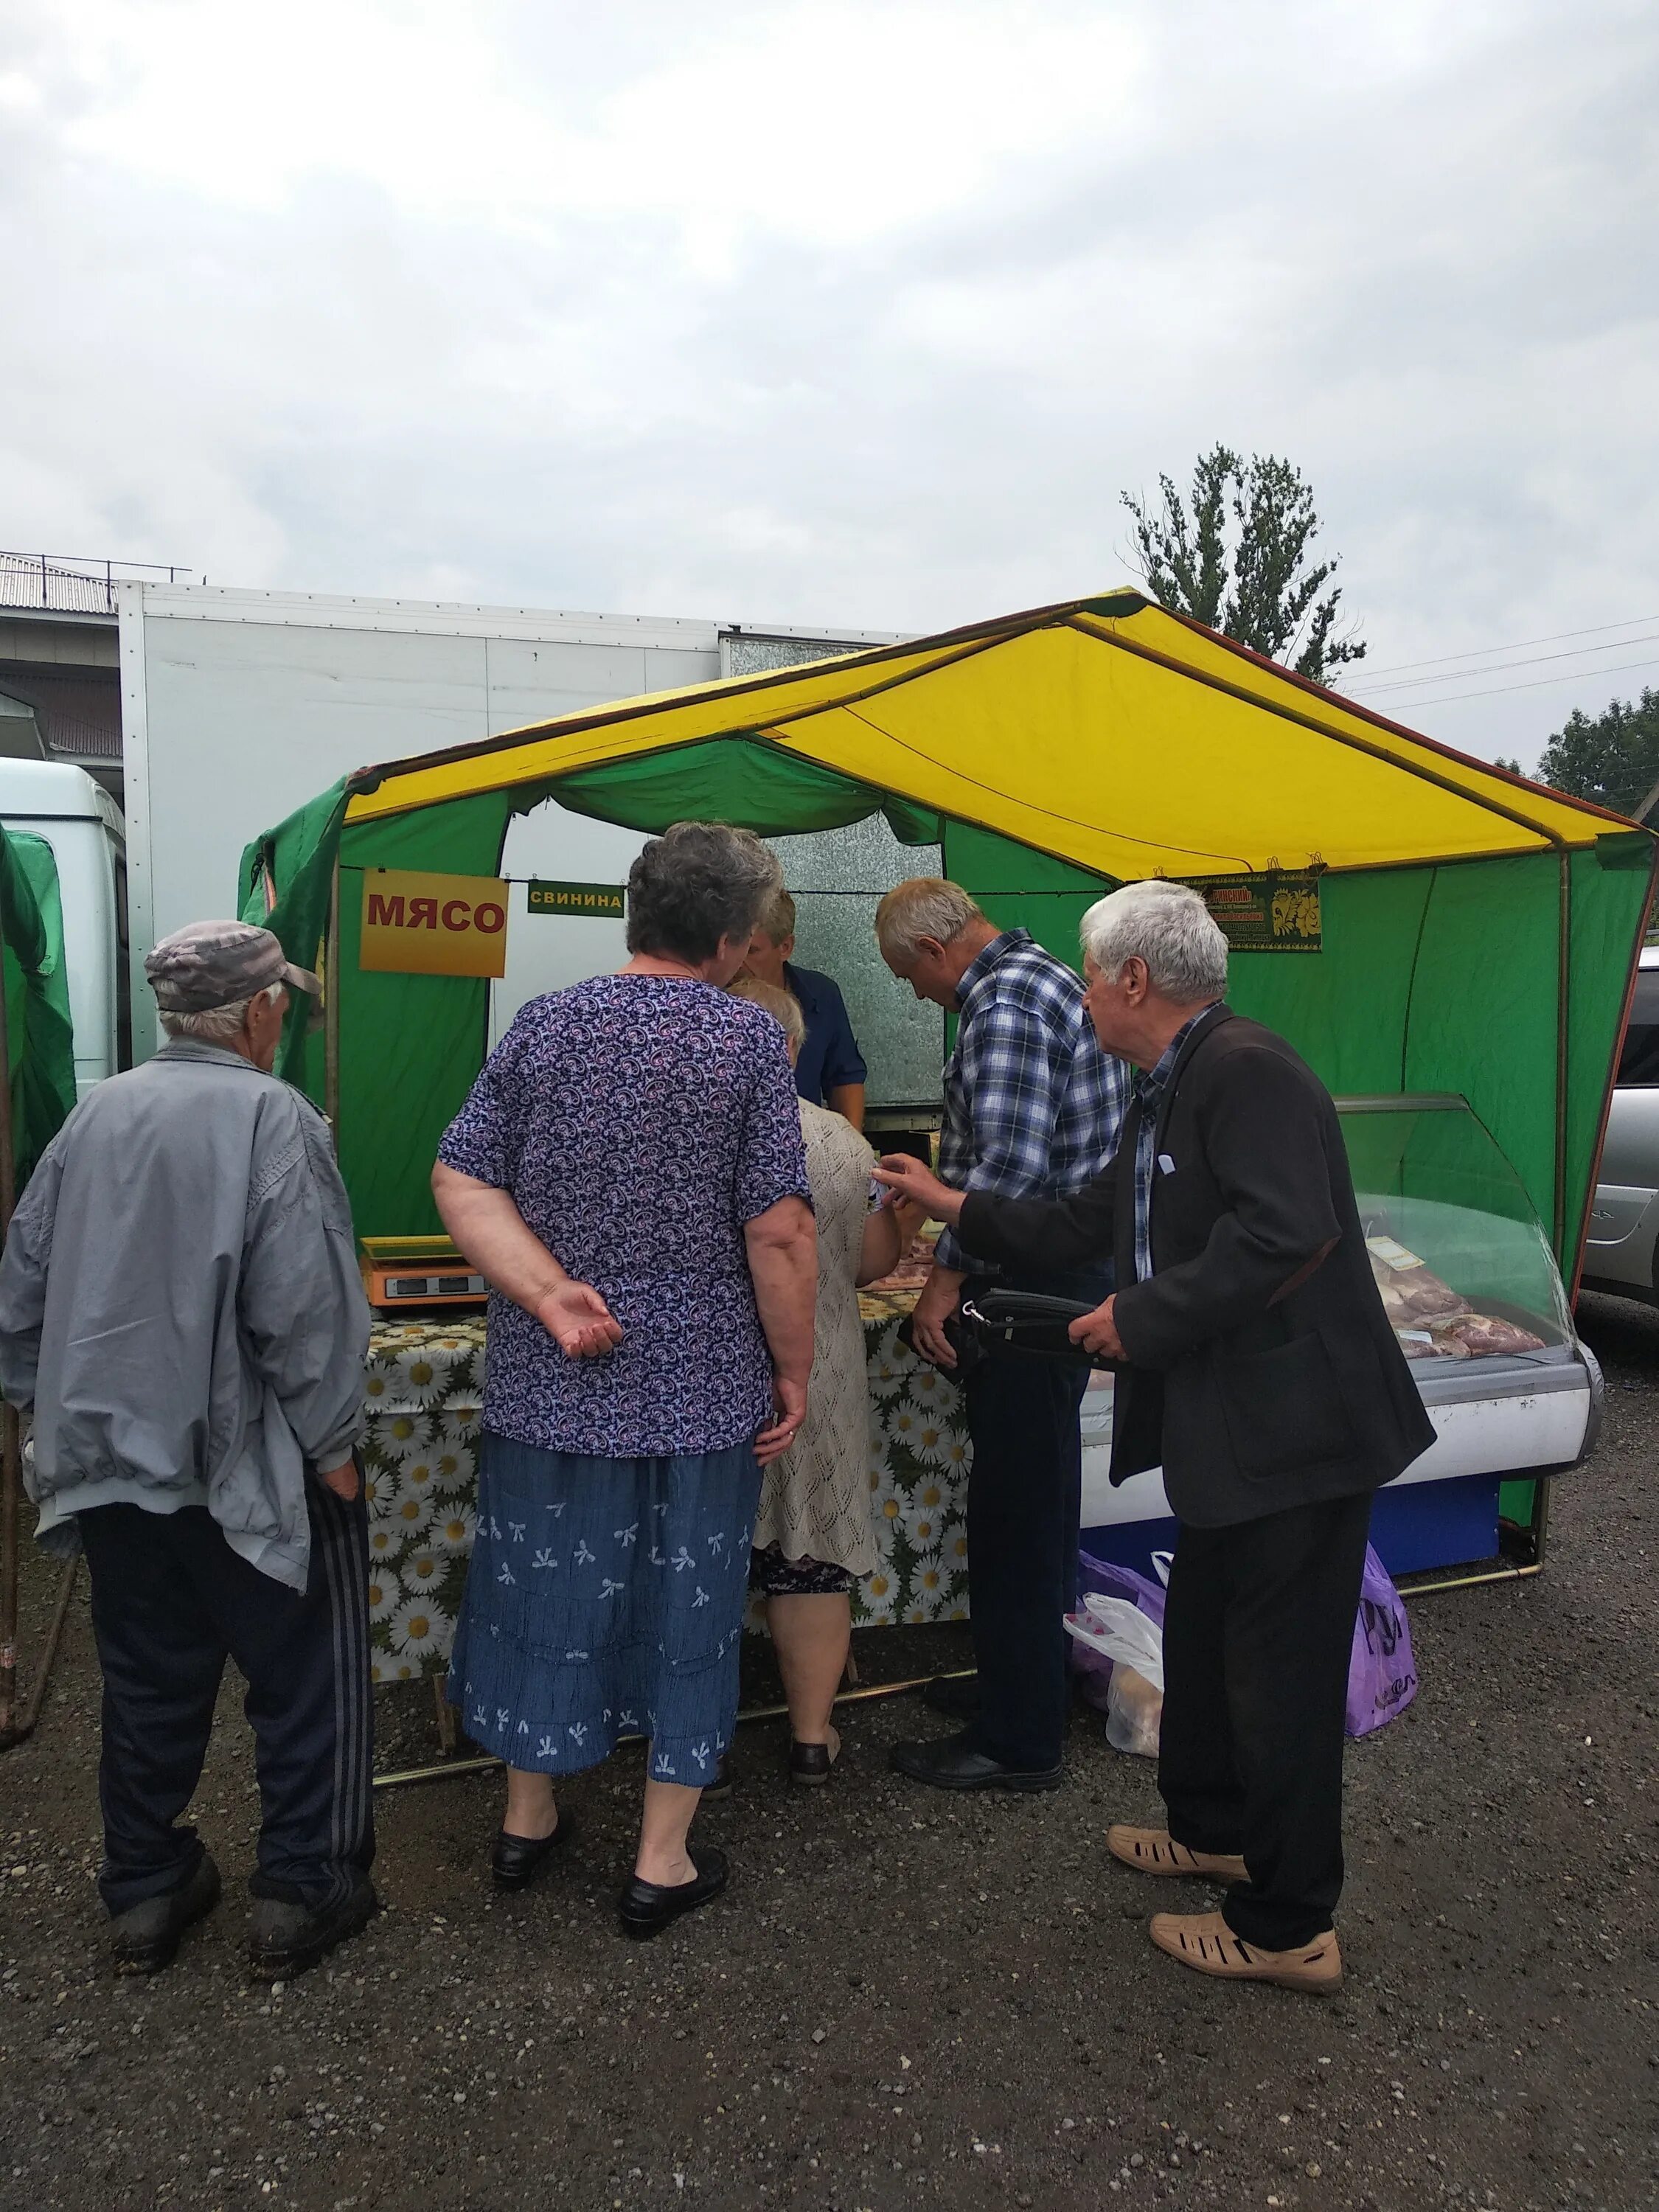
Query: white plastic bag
pixel 1134 1713
pixel 1134 1644
pixel 1123 1632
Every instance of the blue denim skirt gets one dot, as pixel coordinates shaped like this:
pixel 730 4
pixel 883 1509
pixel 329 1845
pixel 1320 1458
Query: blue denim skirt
pixel 604 1599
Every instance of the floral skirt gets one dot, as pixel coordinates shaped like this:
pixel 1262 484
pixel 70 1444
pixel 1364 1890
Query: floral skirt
pixel 605 1598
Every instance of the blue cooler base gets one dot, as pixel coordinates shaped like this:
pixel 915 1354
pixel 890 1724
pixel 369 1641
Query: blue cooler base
pixel 1426 1525
pixel 1435 1524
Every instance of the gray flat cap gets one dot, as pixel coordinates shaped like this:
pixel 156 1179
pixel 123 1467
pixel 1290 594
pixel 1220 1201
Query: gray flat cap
pixel 214 963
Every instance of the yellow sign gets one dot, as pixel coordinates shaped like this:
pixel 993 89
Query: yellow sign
pixel 425 924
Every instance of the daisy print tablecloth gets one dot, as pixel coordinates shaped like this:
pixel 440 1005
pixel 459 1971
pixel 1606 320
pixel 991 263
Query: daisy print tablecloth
pixel 423 1388
pixel 919 1457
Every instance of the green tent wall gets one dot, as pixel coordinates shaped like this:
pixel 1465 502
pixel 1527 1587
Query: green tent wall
pixel 1503 978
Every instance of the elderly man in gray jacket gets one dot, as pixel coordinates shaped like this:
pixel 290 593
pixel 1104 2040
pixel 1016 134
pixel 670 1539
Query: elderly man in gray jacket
pixel 181 1311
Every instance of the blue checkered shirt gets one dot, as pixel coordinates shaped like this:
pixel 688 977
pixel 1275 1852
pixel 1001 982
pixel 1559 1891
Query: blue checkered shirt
pixel 1149 1092
pixel 1032 1105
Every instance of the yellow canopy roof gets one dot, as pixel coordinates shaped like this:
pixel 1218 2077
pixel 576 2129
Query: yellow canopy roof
pixel 1127 739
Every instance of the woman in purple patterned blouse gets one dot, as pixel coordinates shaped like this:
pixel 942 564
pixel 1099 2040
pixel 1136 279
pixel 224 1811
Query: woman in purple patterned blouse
pixel 628 1174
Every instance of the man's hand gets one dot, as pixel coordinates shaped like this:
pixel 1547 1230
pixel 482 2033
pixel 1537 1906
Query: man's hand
pixel 1096 1332
pixel 941 1294
pixel 579 1321
pixel 342 1479
pixel 788 1412
pixel 910 1178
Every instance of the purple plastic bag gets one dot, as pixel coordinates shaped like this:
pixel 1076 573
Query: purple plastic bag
pixel 1093 1668
pixel 1382 1673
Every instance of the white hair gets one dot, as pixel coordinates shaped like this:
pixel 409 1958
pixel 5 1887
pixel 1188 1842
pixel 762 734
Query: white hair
pixel 1169 927
pixel 926 906
pixel 216 1024
pixel 784 1007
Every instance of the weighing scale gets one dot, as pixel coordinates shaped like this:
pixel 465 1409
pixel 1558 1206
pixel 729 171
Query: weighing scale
pixel 417 1271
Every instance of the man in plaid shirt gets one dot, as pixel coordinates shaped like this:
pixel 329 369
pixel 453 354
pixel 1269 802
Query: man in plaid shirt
pixel 1032 1108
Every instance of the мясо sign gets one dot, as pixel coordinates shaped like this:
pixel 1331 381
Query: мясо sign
pixel 416 924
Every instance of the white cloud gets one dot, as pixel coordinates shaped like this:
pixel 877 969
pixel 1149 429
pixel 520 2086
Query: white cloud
pixel 840 311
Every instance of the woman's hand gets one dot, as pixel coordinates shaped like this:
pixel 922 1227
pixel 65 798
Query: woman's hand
pixel 578 1320
pixel 788 1412
pixel 910 1178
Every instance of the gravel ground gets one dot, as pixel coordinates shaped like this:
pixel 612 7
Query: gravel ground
pixel 906 2000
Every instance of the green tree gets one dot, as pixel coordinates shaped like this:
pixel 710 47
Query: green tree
pixel 1235 555
pixel 1611 758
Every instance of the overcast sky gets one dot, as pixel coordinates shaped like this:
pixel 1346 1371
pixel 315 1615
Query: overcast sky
pixel 853 315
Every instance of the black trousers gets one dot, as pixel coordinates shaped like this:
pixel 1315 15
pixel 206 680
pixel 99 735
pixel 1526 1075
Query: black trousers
pixel 1257 1633
pixel 1024 1491
pixel 171 1601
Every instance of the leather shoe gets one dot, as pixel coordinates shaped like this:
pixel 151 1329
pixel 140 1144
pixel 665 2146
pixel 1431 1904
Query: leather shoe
pixel 810 1764
pixel 517 1860
pixel 646 1908
pixel 951 1762
pixel 147 1935
pixel 956 1696
pixel 285 1937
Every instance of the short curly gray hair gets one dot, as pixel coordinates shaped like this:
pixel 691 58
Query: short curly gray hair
pixel 696 884
pixel 1169 927
pixel 923 906
pixel 783 1006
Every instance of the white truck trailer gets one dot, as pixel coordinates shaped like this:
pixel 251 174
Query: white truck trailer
pixel 239 706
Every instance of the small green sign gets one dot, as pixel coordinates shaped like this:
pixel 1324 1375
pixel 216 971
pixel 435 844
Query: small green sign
pixel 1275 913
pixel 596 901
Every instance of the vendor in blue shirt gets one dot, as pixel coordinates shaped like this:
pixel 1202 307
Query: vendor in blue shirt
pixel 830 1070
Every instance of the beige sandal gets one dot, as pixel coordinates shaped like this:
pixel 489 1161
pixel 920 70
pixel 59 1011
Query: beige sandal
pixel 1154 1851
pixel 1204 1941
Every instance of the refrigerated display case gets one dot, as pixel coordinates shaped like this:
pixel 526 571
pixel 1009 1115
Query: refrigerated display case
pixel 1466 1275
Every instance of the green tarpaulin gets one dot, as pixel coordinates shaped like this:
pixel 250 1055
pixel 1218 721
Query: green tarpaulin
pixel 1501 974
pixel 39 1038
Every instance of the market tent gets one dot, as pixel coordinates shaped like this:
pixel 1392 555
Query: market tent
pixel 1479 932
pixel 39 1037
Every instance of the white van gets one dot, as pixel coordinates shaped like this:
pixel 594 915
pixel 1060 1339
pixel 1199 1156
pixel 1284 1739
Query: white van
pixel 1621 1251
pixel 83 825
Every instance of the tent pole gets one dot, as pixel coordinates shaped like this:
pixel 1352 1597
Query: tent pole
pixel 1563 990
pixel 331 1007
pixel 10 1441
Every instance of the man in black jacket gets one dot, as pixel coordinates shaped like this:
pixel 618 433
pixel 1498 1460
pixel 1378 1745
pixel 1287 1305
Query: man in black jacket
pixel 1260 1371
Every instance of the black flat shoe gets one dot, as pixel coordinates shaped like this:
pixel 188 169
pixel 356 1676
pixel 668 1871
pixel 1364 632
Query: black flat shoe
pixel 285 1939
pixel 810 1763
pixel 646 1908
pixel 956 1696
pixel 516 1860
pixel 146 1936
pixel 721 1784
pixel 949 1762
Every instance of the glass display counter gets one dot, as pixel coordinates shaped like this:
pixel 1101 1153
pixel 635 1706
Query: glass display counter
pixel 1470 1285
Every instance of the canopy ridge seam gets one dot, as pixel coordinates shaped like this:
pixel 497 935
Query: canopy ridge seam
pixel 978 637
pixel 1367 714
pixel 1355 744
pixel 1093 828
pixel 398 769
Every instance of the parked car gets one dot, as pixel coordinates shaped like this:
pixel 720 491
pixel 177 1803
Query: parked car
pixel 1620 1251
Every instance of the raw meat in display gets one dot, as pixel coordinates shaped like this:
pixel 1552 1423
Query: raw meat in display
pixel 1480 1336
pixel 1430 1319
